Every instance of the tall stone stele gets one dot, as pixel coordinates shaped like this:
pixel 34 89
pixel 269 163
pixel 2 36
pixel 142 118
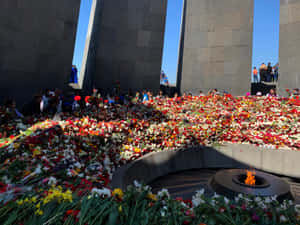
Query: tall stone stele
pixel 37 40
pixel 289 45
pixel 216 46
pixel 124 45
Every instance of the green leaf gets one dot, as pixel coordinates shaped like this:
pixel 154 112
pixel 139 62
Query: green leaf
pixel 113 217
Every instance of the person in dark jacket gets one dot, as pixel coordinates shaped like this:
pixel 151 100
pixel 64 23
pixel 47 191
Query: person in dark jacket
pixel 263 71
pixel 73 78
pixel 269 72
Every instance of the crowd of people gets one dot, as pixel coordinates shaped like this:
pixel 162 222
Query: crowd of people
pixel 50 102
pixel 266 73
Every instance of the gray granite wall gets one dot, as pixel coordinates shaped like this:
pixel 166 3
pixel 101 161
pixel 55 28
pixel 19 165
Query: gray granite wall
pixel 289 46
pixel 126 44
pixel 216 46
pixel 36 45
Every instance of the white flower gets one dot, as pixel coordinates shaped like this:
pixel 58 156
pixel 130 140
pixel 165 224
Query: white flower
pixel 257 199
pixel 184 205
pixel 52 181
pixel 274 198
pixel 213 202
pixel 197 198
pixel 163 193
pixel 101 192
pixel 163 211
pixel 38 170
pixel 226 200
pixel 262 205
pixel 268 200
pixel 216 195
pixel 78 165
pixel 297 208
pixel 137 184
pixel 197 201
pixel 236 199
pixel 283 218
pixel 200 192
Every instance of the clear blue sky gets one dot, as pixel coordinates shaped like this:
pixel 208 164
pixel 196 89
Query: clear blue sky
pixel 265 34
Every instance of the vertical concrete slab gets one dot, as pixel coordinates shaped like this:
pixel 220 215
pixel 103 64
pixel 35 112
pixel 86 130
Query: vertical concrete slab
pixel 216 46
pixel 36 45
pixel 289 44
pixel 127 43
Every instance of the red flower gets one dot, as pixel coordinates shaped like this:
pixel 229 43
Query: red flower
pixel 77 98
pixel 222 209
pixel 73 212
pixel 179 199
pixel 269 214
pixel 86 99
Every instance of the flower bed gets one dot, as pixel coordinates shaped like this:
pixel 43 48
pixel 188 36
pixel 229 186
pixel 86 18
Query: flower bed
pixel 82 151
pixel 139 206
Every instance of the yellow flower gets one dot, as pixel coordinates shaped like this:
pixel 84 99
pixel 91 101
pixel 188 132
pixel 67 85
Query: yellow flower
pixel 137 150
pixel 39 212
pixel 20 202
pixel 152 197
pixel 58 194
pixel 120 209
pixel 118 193
pixel 38 205
pixel 33 199
pixel 126 147
pixel 36 152
pixel 16 145
pixel 26 200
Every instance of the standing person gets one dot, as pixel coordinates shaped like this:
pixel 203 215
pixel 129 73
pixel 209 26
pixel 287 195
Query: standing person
pixel 276 72
pixel 145 96
pixel 73 78
pixel 273 74
pixel 45 101
pixel 262 72
pixel 255 75
pixel 164 78
pixel 269 72
pixel 136 99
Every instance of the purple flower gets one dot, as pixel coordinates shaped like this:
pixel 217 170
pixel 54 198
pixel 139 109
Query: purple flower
pixel 255 217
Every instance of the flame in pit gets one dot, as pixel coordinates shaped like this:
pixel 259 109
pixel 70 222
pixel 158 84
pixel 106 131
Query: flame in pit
pixel 250 180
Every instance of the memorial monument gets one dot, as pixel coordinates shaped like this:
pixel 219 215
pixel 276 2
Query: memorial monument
pixel 289 43
pixel 36 45
pixel 124 45
pixel 216 46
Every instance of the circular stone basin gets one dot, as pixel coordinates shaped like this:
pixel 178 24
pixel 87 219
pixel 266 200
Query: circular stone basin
pixel 231 182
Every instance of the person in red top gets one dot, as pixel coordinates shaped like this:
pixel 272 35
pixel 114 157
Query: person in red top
pixel 255 76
